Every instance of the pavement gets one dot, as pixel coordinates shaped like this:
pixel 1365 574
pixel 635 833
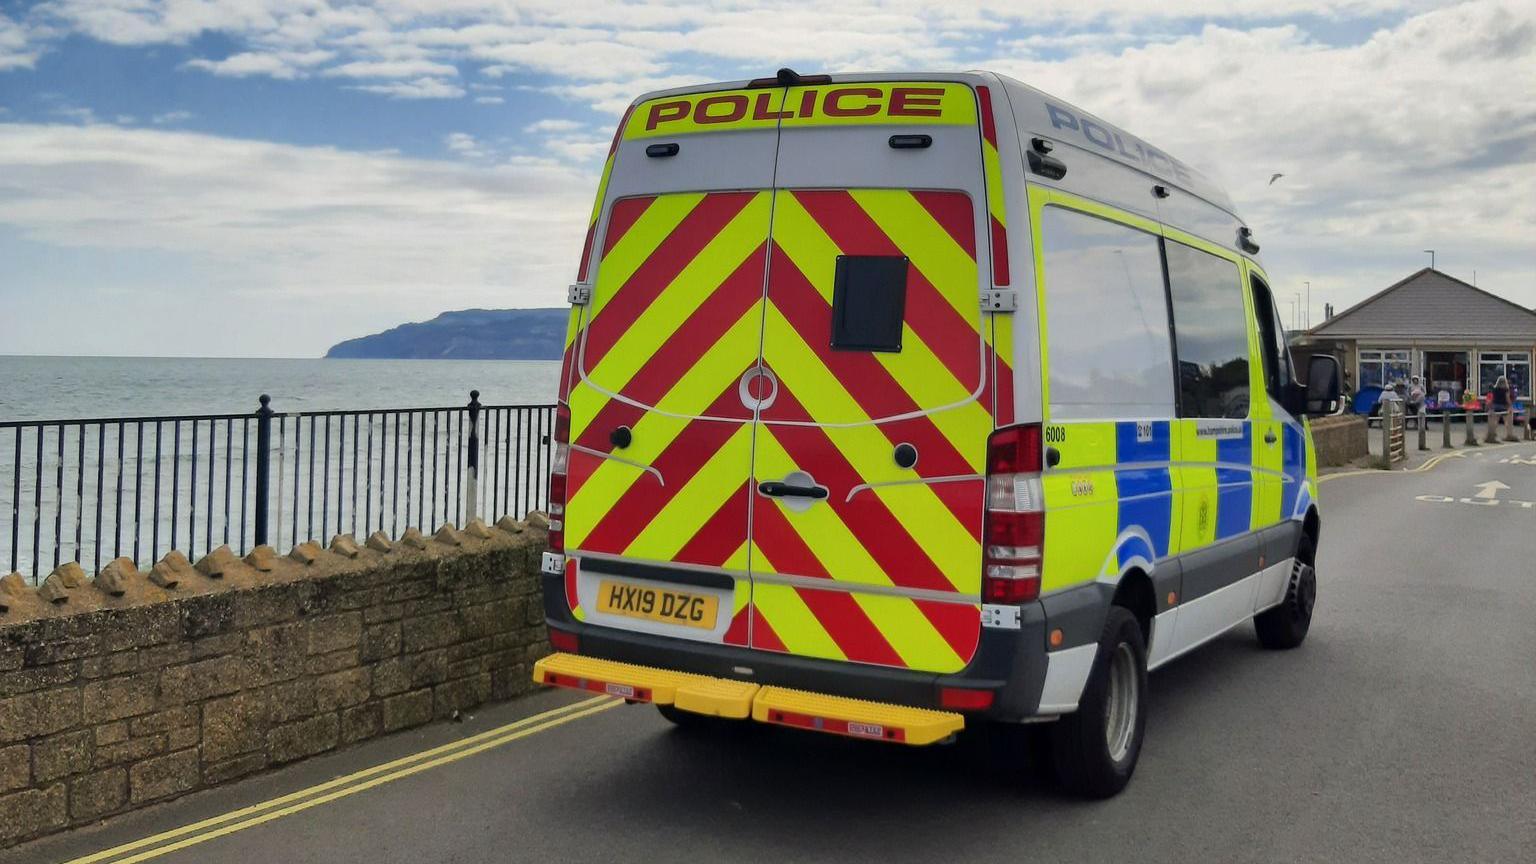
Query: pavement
pixel 1402 731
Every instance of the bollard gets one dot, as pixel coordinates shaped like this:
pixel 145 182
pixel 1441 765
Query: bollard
pixel 1492 425
pixel 472 490
pixel 1471 434
pixel 1445 427
pixel 1423 421
pixel 263 467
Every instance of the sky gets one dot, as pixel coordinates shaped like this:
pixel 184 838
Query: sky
pixel 269 177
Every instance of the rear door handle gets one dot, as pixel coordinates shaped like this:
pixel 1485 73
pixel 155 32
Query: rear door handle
pixel 780 489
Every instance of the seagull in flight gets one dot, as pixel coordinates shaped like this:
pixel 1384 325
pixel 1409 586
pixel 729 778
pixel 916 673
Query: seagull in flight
pixel 1274 177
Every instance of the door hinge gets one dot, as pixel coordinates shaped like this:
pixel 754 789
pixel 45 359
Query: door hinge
pixel 579 293
pixel 999 300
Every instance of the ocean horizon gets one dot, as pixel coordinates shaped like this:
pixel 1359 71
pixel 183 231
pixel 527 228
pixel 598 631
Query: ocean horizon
pixel 68 387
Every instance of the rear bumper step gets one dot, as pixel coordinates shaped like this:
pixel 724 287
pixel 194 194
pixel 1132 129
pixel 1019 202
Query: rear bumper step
pixel 723 697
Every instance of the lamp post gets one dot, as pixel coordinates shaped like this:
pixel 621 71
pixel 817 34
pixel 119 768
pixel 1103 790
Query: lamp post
pixel 1308 322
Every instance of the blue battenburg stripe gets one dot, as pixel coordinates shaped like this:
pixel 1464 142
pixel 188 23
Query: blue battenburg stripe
pixel 1295 459
pixel 1146 491
pixel 1234 501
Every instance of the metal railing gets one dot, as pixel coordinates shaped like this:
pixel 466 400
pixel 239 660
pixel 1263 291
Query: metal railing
pixel 92 490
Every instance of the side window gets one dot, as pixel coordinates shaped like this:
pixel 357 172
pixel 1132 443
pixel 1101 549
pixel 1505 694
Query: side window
pixel 1211 333
pixel 1277 358
pixel 1107 315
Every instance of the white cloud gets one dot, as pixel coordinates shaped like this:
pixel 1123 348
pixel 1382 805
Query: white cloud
pixel 464 144
pixel 1413 139
pixel 366 234
pixel 171 117
pixel 552 124
pixel 16 50
pixel 489 100
pixel 392 69
pixel 421 88
pixel 284 65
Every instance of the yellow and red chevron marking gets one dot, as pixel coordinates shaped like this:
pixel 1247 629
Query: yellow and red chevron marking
pixel 674 324
pixel 1000 340
pixel 839 414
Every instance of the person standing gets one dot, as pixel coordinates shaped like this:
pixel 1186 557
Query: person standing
pixel 1500 410
pixel 1416 398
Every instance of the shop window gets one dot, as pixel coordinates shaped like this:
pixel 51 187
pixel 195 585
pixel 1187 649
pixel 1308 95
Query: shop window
pixel 1514 365
pixel 1383 368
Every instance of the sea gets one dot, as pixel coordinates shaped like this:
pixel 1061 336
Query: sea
pixel 94 491
pixel 68 388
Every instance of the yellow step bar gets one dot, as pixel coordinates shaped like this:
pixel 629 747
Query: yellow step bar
pixel 723 697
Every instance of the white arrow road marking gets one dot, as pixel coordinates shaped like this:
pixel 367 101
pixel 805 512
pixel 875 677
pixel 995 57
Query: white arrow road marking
pixel 1491 489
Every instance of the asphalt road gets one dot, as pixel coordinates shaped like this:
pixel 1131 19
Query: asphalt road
pixel 1403 730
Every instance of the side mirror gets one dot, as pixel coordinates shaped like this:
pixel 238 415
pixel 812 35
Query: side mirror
pixel 1323 385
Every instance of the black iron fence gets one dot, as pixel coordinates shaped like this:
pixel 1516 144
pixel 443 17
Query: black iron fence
pixel 137 487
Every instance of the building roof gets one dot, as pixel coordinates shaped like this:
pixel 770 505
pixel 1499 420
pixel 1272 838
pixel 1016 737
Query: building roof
pixel 1430 304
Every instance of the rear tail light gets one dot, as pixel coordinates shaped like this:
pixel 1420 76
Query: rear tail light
pixel 965 699
pixel 1013 539
pixel 557 472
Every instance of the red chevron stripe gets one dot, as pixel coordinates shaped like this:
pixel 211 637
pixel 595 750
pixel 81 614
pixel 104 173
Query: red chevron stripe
pixel 586 253
pixel 849 626
pixel 699 333
pixel 950 337
pixel 780 544
pixel 763 637
pixel 953 213
pixel 894 550
pixel 692 234
pixel 868 382
pixel 682 458
pixel 958 623
pixel 721 534
pixel 988 127
pixel 999 252
pixel 739 631
pixel 622 218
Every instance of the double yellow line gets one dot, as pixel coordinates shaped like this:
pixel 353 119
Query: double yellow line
pixel 341 787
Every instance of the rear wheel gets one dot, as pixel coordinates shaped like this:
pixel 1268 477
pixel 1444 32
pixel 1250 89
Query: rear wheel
pixel 1095 749
pixel 687 720
pixel 1285 626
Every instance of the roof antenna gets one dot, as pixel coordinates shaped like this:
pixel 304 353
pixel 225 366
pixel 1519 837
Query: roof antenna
pixel 788 77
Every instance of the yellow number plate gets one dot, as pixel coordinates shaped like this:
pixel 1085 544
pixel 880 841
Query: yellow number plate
pixel 657 604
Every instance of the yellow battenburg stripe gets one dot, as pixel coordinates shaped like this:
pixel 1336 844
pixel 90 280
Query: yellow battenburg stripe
pixel 915 368
pixel 820 528
pixel 704 493
pixel 659 220
pixel 716 370
pixel 791 620
pixel 910 633
pixel 931 248
pixel 954 548
pixel 693 285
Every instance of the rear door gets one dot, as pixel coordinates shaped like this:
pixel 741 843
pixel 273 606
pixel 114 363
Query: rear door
pixel 661 431
pixel 866 490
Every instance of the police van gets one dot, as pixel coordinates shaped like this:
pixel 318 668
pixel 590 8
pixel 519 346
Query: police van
pixel 895 405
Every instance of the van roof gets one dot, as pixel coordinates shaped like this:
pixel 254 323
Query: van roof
pixel 1039 114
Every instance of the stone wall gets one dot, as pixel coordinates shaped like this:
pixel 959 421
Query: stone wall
pixel 1340 440
pixel 128 689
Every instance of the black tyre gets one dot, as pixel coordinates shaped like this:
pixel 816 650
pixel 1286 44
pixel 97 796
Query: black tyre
pixel 1095 749
pixel 1285 626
